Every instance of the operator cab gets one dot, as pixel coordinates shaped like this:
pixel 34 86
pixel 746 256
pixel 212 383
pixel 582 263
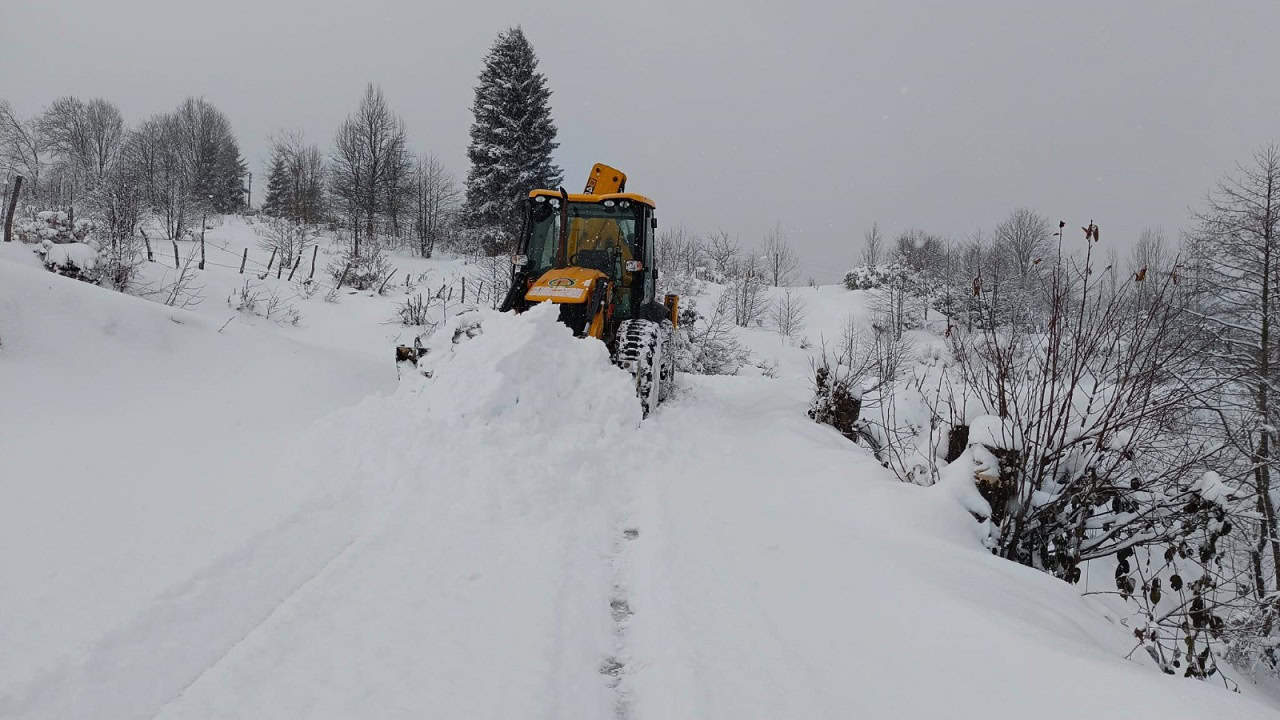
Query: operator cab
pixel 610 233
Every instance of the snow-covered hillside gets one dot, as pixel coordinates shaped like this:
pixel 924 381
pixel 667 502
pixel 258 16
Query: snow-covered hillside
pixel 246 519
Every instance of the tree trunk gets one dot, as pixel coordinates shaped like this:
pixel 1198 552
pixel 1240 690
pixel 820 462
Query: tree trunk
pixel 1262 457
pixel 13 205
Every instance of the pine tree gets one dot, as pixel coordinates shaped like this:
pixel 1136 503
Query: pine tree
pixel 512 137
pixel 277 186
pixel 228 181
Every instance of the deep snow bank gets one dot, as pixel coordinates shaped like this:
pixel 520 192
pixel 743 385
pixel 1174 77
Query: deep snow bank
pixel 522 370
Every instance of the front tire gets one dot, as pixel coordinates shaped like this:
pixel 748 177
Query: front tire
pixel 640 351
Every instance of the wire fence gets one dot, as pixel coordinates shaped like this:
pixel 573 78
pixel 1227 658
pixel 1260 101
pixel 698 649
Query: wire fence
pixel 485 283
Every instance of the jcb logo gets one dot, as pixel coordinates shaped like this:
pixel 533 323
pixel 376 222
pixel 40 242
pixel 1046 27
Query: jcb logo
pixel 560 282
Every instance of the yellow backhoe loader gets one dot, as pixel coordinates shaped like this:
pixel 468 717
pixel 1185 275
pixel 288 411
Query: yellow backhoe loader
pixel 592 254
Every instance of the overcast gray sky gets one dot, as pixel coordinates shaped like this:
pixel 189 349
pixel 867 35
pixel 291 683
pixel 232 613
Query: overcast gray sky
pixel 734 114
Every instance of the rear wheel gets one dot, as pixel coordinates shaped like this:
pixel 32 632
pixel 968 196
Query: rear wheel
pixel 641 352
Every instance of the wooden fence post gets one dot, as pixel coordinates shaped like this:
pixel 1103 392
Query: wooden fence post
pixel 464 289
pixel 269 262
pixel 243 259
pixel 13 205
pixel 343 278
pixel 314 249
pixel 175 254
pixel 294 269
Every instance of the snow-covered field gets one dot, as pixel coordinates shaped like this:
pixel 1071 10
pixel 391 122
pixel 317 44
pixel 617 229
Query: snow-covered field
pixel 252 519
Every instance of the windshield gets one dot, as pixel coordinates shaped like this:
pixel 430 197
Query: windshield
pixel 602 235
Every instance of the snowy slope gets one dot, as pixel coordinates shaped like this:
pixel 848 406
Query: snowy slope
pixel 136 443
pixel 356 321
pixel 780 573
pixel 504 539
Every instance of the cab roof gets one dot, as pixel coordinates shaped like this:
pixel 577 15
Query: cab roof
pixel 581 197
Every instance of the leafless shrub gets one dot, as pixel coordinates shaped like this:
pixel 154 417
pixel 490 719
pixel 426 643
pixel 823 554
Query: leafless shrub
pixel 265 302
pixel 414 310
pixel 183 292
pixel 788 313
pixel 246 297
pixel 490 280
pixel 287 239
pixel 856 375
pixel 1093 447
pixel 363 266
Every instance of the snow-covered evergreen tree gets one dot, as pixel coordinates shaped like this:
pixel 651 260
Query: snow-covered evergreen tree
pixel 227 183
pixel 277 187
pixel 512 137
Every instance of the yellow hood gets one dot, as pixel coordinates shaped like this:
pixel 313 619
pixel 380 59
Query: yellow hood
pixel 564 285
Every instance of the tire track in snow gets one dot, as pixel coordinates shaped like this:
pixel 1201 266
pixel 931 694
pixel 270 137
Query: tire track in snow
pixel 141 666
pixel 620 665
pixel 616 666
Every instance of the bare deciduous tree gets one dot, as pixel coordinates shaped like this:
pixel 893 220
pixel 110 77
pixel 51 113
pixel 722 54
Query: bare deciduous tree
pixel 780 259
pixel 22 147
pixel 369 155
pixel 1147 258
pixel 436 196
pixel 153 151
pixel 202 134
pixel 84 136
pixel 722 252
pixel 1020 239
pixel 679 251
pixel 872 246
pixel 1237 232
